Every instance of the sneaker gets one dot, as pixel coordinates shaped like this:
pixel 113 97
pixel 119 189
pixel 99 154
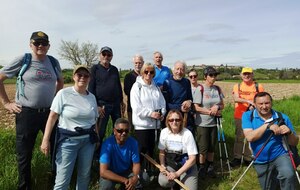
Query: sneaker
pixel 235 162
pixel 211 171
pixel 202 171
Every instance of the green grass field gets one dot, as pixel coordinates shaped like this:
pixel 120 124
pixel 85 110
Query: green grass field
pixel 41 178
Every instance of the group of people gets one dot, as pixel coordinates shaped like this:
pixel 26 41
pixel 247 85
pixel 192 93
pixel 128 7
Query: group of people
pixel 165 110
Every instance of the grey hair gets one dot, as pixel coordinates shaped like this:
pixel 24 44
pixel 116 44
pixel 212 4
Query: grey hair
pixel 138 56
pixel 180 62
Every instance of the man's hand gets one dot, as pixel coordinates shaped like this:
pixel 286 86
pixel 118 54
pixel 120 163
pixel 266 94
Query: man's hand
pixel 131 183
pixel 101 110
pixel 284 130
pixel 13 107
pixel 172 175
pixel 186 106
pixel 276 129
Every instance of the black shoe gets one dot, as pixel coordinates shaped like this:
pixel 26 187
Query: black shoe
pixel 247 162
pixel 211 171
pixel 235 162
pixel 202 171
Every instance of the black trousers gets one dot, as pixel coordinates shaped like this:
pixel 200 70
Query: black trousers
pixel 28 124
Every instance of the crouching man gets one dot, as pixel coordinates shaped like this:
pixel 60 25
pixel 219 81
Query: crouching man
pixel 119 159
pixel 273 164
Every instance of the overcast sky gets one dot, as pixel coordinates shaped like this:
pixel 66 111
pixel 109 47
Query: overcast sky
pixel 256 33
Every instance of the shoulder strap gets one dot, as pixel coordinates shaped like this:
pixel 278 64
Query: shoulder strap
pixel 20 83
pixel 256 86
pixel 54 65
pixel 201 89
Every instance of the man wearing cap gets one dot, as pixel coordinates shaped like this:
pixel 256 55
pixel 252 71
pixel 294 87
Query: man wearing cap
pixel 40 82
pixel 105 84
pixel 161 72
pixel 243 94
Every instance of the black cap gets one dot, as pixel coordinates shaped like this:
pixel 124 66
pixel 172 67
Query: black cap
pixel 210 70
pixel 105 48
pixel 39 36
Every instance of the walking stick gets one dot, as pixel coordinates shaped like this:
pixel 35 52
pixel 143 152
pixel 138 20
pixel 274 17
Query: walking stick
pixel 291 157
pixel 243 152
pixel 256 156
pixel 185 117
pixel 220 148
pixel 161 168
pixel 224 143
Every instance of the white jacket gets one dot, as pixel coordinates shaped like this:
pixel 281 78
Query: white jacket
pixel 145 99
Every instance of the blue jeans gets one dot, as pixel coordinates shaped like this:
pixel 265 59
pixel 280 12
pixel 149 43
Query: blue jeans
pixel 279 171
pixel 69 151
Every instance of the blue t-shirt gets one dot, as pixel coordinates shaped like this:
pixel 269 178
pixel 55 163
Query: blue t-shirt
pixel 161 75
pixel 274 148
pixel 119 158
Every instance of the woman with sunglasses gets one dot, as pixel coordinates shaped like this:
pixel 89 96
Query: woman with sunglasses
pixel 76 137
pixel 208 104
pixel 177 153
pixel 148 109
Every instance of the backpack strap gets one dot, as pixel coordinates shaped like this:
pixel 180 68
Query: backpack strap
pixel 54 65
pixel 20 83
pixel 256 87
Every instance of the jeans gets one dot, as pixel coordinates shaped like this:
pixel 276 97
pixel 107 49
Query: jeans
pixel 28 124
pixel 74 149
pixel 113 110
pixel 279 171
pixel 106 184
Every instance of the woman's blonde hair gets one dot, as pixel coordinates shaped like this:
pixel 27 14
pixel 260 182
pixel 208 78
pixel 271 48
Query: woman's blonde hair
pixel 147 65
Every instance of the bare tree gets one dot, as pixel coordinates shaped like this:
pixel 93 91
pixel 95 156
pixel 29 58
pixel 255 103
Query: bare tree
pixel 85 54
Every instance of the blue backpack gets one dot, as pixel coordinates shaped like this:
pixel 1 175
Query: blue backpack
pixel 25 63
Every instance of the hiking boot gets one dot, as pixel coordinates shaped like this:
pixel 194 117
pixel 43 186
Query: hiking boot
pixel 247 162
pixel 211 171
pixel 202 171
pixel 235 162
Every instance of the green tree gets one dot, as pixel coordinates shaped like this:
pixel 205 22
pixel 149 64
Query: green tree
pixel 86 53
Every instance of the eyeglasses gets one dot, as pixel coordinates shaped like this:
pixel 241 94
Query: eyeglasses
pixel 121 131
pixel 79 75
pixel 147 72
pixel 193 76
pixel 212 75
pixel 106 54
pixel 247 73
pixel 174 119
pixel 38 43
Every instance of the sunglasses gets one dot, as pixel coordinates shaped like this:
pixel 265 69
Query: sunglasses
pixel 43 43
pixel 212 75
pixel 176 120
pixel 121 131
pixel 147 72
pixel 106 54
pixel 79 75
pixel 193 76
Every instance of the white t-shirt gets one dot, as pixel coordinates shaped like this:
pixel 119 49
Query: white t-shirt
pixel 181 142
pixel 75 110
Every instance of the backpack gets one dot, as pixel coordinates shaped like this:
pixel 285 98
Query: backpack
pixel 25 63
pixel 202 89
pixel 293 149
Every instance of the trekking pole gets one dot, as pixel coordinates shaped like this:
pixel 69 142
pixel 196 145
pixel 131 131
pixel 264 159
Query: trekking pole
pixel 243 152
pixel 291 157
pixel 256 156
pixel 224 143
pixel 220 148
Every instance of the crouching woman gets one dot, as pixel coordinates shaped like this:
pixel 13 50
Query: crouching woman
pixel 177 153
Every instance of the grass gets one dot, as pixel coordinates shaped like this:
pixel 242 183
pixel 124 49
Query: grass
pixel 41 179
